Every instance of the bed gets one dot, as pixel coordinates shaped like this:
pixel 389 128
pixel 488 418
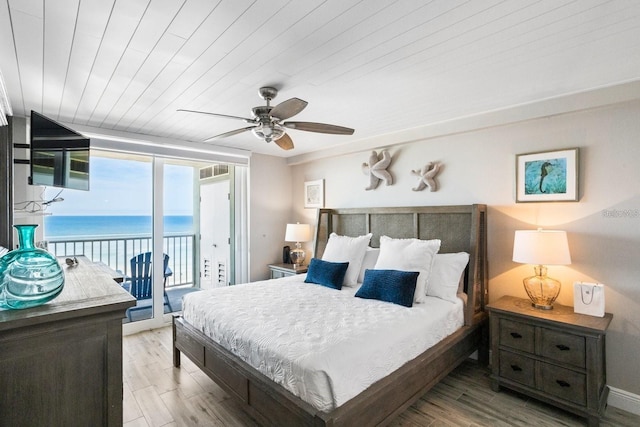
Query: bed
pixel 460 229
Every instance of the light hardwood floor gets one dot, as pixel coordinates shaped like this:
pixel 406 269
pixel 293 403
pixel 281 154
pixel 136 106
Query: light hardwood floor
pixel 157 394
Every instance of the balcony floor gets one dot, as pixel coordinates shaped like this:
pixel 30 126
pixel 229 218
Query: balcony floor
pixel 175 299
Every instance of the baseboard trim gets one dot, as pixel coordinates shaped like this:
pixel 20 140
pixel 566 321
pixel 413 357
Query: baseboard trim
pixel 624 400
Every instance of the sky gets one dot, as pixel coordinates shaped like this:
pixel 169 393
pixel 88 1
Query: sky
pixel 124 187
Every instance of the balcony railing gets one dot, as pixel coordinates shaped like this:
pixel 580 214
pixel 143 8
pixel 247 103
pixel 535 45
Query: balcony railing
pixel 117 251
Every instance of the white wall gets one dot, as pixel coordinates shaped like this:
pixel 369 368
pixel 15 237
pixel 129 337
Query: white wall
pixel 479 167
pixel 270 203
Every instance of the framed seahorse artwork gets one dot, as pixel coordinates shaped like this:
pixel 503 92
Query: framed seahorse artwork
pixel 549 176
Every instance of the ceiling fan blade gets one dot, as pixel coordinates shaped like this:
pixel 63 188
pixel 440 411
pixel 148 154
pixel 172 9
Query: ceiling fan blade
pixel 230 133
pixel 288 108
pixel 218 115
pixel 319 127
pixel 285 142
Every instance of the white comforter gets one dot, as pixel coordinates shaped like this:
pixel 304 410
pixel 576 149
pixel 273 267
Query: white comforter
pixel 323 345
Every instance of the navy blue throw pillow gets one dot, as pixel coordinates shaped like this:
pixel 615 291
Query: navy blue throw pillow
pixel 393 286
pixel 325 273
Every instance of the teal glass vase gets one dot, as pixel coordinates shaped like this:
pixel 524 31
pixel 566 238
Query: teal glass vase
pixel 29 276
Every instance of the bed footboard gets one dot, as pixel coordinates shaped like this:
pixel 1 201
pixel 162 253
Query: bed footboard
pixel 266 402
pixel 272 405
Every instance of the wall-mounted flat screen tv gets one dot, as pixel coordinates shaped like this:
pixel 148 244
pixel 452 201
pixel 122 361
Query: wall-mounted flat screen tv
pixel 59 156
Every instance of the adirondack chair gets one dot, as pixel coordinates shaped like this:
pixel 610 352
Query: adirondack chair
pixel 140 284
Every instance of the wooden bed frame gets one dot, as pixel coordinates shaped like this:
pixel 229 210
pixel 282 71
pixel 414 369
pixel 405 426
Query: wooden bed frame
pixel 461 228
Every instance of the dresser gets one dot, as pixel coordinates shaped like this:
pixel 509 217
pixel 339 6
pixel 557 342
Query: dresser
pixel 283 270
pixel 61 362
pixel 555 355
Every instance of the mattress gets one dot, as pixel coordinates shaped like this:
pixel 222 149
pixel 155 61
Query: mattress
pixel 323 345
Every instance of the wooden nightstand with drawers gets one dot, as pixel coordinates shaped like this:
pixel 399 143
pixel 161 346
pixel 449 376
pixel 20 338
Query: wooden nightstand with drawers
pixel 555 355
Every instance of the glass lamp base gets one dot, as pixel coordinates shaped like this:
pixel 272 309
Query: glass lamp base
pixel 297 256
pixel 541 306
pixel 542 289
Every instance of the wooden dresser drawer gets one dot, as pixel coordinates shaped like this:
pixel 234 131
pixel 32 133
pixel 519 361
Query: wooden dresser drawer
pixel 564 383
pixel 563 347
pixel 517 368
pixel 517 335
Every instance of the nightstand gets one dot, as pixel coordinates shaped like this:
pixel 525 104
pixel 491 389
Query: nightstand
pixel 283 270
pixel 556 356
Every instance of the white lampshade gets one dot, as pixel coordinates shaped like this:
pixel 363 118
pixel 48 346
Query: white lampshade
pixel 298 233
pixel 541 247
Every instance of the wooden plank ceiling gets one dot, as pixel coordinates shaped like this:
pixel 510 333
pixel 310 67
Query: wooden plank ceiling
pixel 374 65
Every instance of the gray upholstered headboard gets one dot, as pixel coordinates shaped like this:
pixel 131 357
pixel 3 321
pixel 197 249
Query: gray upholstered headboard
pixel 460 228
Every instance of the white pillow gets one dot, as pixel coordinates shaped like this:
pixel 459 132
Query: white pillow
pixel 368 262
pixel 347 249
pixel 409 255
pixel 446 275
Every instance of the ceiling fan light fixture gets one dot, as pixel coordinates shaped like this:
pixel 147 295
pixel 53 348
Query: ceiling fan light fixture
pixel 268 132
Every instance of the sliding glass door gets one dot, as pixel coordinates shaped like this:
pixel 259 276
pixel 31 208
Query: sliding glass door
pixel 138 220
pixel 180 246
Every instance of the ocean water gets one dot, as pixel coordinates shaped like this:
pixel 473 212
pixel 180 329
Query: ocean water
pixel 58 226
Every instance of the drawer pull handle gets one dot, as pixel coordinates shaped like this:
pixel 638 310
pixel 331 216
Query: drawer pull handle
pixel 563 347
pixel 563 383
pixel 516 368
pixel 516 335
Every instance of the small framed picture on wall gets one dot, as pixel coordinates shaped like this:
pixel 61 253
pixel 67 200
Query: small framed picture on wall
pixel 314 194
pixel 550 176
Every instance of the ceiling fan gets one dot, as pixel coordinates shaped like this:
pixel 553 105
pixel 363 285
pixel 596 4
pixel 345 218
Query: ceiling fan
pixel 267 122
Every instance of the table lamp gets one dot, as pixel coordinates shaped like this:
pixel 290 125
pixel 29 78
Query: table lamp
pixel 297 233
pixel 541 247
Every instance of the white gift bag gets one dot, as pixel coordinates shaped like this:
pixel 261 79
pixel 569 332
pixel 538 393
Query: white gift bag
pixel 588 298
